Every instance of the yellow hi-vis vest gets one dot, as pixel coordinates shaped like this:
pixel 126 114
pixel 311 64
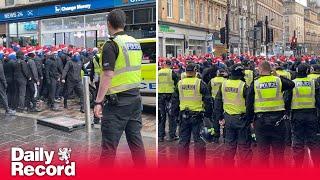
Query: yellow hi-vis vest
pixel 284 73
pixel 303 96
pixel 165 81
pixel 216 83
pixel 248 76
pixel 232 96
pixel 314 76
pixel 268 94
pixel 97 66
pixel 127 72
pixel 189 94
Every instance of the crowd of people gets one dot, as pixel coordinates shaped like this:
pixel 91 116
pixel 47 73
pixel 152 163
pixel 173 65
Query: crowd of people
pixel 32 74
pixel 271 101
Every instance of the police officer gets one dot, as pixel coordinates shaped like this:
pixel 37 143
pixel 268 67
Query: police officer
pixel 3 88
pixel 314 72
pixel 52 77
pixel 265 101
pixel 305 98
pixel 248 72
pixel 22 76
pixel 120 81
pixel 280 70
pixel 230 108
pixel 72 72
pixel 192 98
pixel 166 84
pixel 214 86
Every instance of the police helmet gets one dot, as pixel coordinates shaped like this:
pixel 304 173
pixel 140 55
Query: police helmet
pixel 207 134
pixel 237 70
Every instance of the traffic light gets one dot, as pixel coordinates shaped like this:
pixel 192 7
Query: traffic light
pixel 293 45
pixel 270 35
pixel 223 35
pixel 260 28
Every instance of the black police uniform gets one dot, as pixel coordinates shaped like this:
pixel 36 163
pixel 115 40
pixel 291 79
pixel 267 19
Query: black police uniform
pixel 164 103
pixel 304 129
pixel 191 123
pixel 237 132
pixel 51 76
pixel 269 133
pixel 72 74
pixel 122 116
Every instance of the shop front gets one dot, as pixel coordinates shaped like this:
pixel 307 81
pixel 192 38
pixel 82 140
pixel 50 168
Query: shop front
pixel 175 41
pixel 80 24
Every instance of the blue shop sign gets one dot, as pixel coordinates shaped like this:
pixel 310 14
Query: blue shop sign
pixel 81 6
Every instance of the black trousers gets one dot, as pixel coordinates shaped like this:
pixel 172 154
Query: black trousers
pixel 115 121
pixel 77 88
pixel 12 95
pixel 304 133
pixel 3 97
pixel 22 88
pixel 52 86
pixel 237 136
pixel 269 136
pixel 191 126
pixel 31 102
pixel 164 103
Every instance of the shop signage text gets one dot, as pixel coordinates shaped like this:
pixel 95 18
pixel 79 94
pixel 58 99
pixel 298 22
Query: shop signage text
pixel 62 9
pixel 165 28
pixel 18 14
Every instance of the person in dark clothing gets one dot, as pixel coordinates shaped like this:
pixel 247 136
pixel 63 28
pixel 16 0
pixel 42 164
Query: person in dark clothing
pixel 265 102
pixel 230 109
pixel 52 76
pixel 3 93
pixel 40 69
pixel 60 85
pixel 193 108
pixel 32 84
pixel 304 100
pixel 71 75
pixel 8 66
pixel 22 76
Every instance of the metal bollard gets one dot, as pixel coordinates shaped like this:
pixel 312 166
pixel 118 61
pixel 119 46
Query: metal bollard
pixel 86 99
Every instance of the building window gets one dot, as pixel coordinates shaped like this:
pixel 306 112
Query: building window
pixel 181 9
pixel 169 9
pixel 192 11
pixel 210 14
pixel 9 2
pixel 201 12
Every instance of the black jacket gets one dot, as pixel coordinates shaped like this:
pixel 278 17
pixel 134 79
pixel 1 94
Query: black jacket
pixel 21 72
pixel 33 70
pixel 72 71
pixel 3 80
pixel 51 69
pixel 8 66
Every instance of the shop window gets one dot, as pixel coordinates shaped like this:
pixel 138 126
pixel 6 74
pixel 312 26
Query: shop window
pixel 74 22
pixel 9 2
pixel 142 16
pixel 52 24
pixel 129 17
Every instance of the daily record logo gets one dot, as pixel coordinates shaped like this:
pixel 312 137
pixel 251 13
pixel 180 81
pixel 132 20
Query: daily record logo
pixel 61 9
pixel 43 159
